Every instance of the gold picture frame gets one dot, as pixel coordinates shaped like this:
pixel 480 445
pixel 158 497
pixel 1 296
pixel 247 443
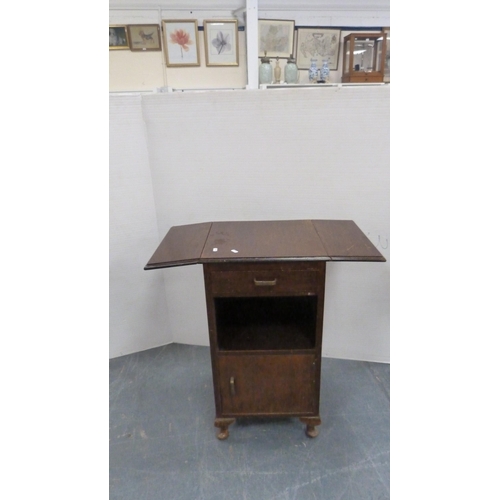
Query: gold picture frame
pixel 276 38
pixel 180 40
pixel 144 37
pixel 118 37
pixel 221 42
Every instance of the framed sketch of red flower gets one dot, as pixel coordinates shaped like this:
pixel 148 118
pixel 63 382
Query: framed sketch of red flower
pixel 181 42
pixel 221 42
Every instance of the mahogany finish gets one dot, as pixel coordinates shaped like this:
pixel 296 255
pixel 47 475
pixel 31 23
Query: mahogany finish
pixel 296 239
pixel 263 241
pixel 182 245
pixel 344 241
pixel 267 384
pixel 265 325
pixel 264 288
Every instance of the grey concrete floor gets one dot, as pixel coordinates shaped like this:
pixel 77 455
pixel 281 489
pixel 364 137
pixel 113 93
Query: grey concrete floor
pixel 163 442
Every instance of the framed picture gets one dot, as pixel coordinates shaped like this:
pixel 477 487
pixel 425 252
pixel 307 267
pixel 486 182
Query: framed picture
pixel 318 43
pixel 181 42
pixel 144 37
pixel 118 39
pixel 387 66
pixel 276 38
pixel 221 43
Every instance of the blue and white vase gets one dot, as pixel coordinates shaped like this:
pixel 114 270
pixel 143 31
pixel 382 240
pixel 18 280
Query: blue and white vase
pixel 313 72
pixel 325 71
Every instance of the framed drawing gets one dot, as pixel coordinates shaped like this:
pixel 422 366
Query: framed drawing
pixel 181 42
pixel 221 43
pixel 118 39
pixel 144 37
pixel 276 38
pixel 318 43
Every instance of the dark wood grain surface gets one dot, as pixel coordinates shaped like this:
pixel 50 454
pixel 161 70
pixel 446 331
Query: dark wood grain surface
pixel 181 246
pixel 268 385
pixel 248 241
pixel 343 240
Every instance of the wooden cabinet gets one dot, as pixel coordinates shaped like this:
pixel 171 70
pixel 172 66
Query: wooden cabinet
pixel 265 323
pixel 265 289
pixel 364 57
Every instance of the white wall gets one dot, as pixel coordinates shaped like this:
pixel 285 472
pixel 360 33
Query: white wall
pixel 137 312
pixel 278 154
pixel 197 156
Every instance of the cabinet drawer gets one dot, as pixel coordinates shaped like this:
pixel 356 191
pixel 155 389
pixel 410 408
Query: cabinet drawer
pixel 268 384
pixel 263 280
pixel 363 77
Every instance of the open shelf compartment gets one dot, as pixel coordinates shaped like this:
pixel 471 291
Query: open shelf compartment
pixel 266 323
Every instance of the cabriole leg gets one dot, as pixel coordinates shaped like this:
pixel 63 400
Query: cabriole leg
pixel 223 425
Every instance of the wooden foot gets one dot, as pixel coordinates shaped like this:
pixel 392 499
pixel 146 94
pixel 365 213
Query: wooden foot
pixel 311 423
pixel 223 424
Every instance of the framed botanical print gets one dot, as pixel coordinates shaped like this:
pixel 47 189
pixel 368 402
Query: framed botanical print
pixel 118 38
pixel 320 44
pixel 276 38
pixel 180 39
pixel 221 43
pixel 144 37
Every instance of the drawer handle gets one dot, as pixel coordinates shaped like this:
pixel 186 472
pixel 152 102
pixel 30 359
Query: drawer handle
pixel 265 282
pixel 231 385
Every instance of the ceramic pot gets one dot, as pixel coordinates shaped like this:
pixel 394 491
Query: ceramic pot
pixel 325 71
pixel 313 72
pixel 291 71
pixel 265 71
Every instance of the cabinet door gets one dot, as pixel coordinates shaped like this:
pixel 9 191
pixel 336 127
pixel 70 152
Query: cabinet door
pixel 283 384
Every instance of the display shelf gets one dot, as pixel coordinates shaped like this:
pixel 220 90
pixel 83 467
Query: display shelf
pixel 316 85
pixel 265 323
